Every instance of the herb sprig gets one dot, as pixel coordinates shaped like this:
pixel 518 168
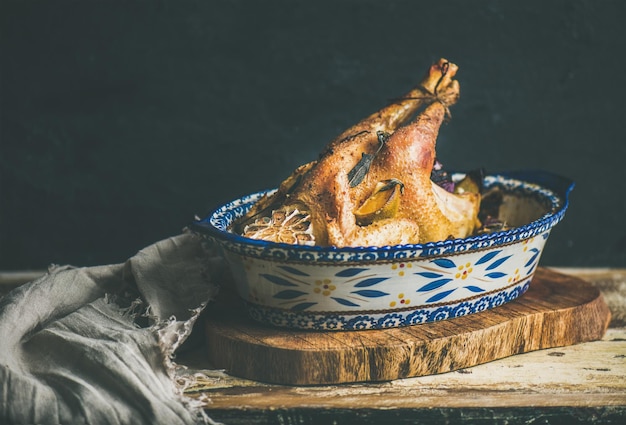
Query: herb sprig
pixel 360 170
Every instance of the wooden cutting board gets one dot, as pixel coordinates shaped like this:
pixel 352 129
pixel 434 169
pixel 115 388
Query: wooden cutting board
pixel 557 310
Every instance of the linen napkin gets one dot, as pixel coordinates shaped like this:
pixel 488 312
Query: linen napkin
pixel 94 345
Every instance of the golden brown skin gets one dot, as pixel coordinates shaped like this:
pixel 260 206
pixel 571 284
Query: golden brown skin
pixel 426 213
pixel 409 156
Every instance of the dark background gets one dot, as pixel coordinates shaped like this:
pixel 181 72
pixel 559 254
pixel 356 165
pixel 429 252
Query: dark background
pixel 121 120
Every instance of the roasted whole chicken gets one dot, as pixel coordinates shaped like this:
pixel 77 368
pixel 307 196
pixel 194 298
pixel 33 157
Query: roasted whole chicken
pixel 372 185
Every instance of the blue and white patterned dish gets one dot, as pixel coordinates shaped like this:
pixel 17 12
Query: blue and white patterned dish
pixel 330 288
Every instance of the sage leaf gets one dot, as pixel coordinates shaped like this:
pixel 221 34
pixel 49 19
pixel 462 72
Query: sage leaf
pixel 360 170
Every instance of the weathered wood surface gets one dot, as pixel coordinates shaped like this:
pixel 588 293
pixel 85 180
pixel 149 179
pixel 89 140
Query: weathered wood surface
pixel 587 374
pixel 612 285
pixel 558 310
pixel 582 383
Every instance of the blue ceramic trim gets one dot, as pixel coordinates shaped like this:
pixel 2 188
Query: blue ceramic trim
pixel 384 319
pixel 548 188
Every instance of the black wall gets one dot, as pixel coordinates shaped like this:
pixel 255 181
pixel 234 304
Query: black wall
pixel 121 120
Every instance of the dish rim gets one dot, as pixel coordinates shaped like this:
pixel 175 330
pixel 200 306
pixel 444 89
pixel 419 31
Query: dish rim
pixel 554 188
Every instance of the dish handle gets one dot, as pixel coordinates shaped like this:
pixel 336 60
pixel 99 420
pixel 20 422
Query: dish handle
pixel 560 185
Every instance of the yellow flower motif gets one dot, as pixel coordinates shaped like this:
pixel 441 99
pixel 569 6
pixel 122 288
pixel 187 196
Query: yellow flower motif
pixel 527 242
pixel 515 276
pixel 253 295
pixel 401 299
pixel 464 271
pixel 248 262
pixel 402 267
pixel 324 287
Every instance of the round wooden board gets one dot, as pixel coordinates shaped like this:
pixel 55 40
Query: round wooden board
pixel 557 310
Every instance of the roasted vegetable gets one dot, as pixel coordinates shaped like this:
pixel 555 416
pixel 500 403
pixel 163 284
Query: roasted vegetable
pixel 383 203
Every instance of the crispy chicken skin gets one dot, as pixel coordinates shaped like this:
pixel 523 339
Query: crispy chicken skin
pixel 324 198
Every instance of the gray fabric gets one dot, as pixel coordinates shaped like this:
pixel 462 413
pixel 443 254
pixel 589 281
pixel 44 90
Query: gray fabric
pixel 72 349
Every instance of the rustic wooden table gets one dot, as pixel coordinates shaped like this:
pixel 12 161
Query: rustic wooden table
pixel 584 383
